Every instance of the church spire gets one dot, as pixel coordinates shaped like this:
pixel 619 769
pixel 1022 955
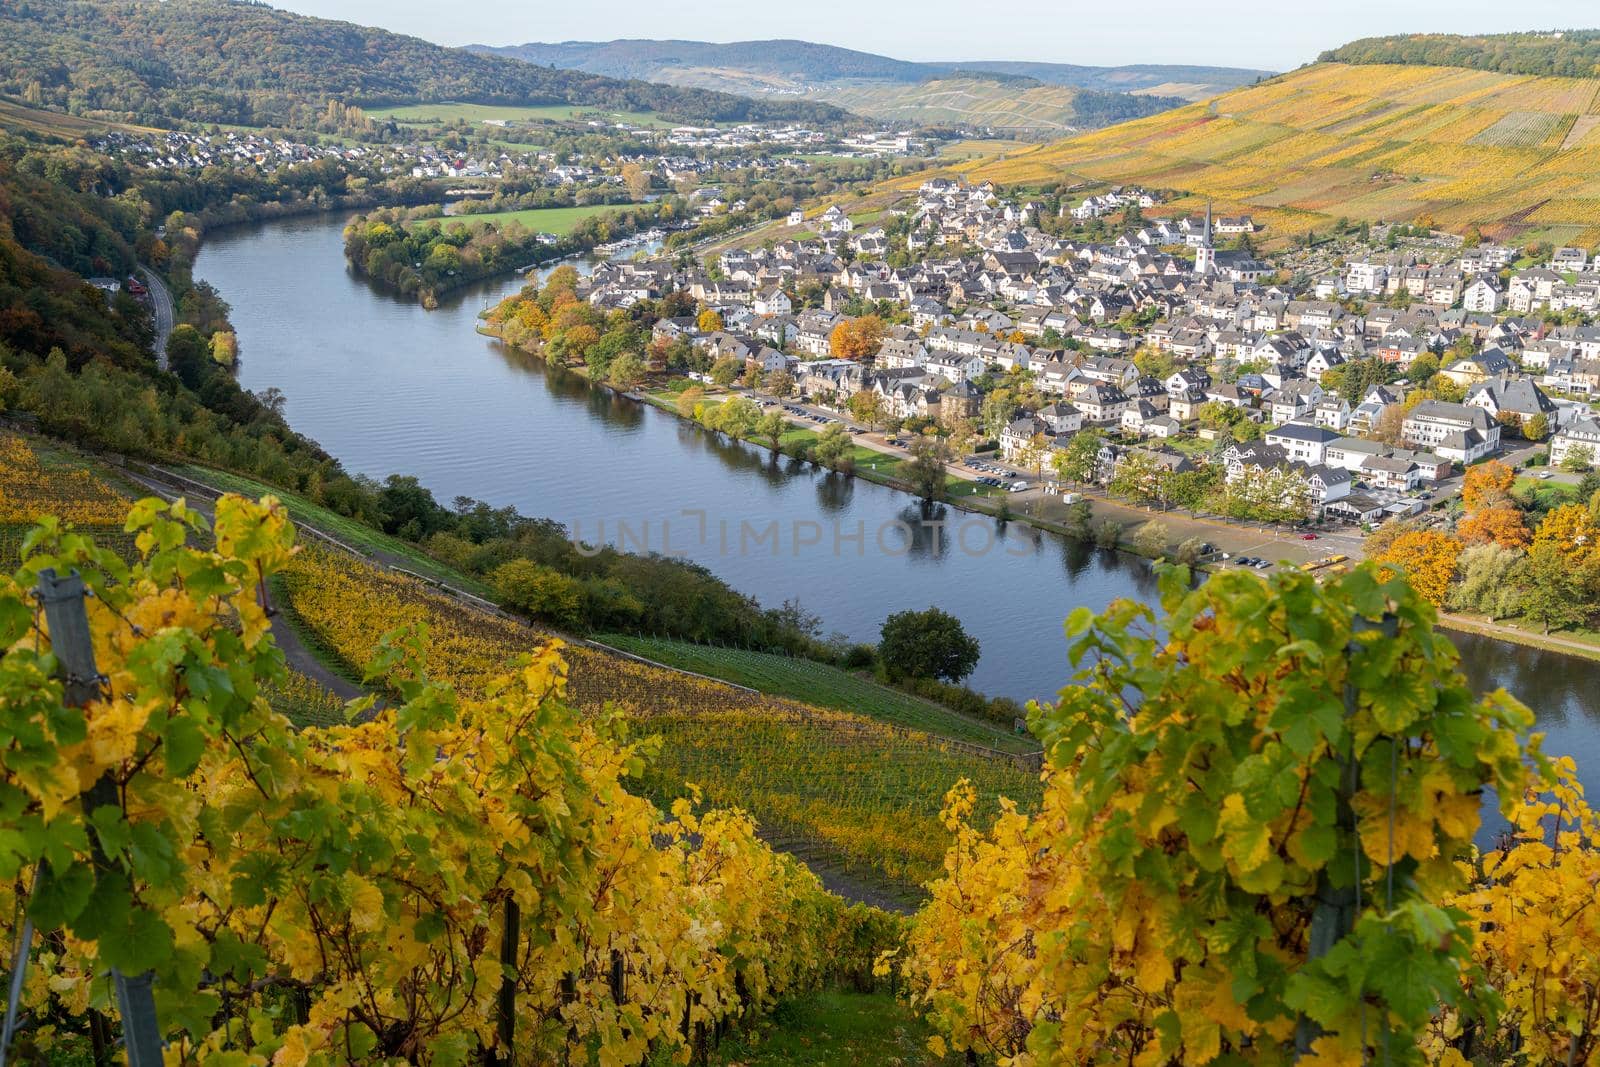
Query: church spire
pixel 1205 257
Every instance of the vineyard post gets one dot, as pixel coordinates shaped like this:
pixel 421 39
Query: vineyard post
pixel 70 640
pixel 506 999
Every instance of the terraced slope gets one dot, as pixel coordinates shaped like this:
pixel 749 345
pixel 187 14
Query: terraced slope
pixel 1517 155
pixel 1021 104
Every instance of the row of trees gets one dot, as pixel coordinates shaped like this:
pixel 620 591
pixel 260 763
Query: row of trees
pixel 1510 556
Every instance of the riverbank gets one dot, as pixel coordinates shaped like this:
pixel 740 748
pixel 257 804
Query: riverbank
pixel 1586 645
pixel 877 460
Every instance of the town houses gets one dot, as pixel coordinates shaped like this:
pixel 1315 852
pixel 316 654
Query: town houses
pixel 1354 388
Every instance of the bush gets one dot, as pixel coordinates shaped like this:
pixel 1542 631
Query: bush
pixel 542 592
pixel 1189 552
pixel 859 657
pixel 1107 533
pixel 967 701
pixel 1150 539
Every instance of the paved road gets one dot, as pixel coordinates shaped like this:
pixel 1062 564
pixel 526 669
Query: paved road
pixel 161 303
pixel 1234 538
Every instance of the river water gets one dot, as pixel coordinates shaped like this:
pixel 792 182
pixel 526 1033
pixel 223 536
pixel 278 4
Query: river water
pixel 391 388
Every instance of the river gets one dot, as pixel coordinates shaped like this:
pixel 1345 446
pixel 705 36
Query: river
pixel 391 388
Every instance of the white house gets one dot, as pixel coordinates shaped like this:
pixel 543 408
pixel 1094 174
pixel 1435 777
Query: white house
pixel 1579 434
pixel 1303 443
pixel 1455 431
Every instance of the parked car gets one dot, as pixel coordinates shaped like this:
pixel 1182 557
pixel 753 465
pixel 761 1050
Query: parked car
pixel 1308 537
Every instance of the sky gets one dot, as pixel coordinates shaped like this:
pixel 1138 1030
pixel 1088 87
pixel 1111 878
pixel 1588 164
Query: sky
pixel 1265 34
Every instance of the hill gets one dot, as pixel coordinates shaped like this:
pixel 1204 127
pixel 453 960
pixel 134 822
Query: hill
pixel 764 67
pixel 1516 155
pixel 1562 53
pixel 163 61
pixel 996 102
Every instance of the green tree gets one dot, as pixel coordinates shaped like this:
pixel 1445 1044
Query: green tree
pixel 833 447
pixel 1555 591
pixel 1488 584
pixel 1579 459
pixel 926 644
pixel 725 370
pixel 626 371
pixel 1080 461
pixel 780 383
pixel 771 427
pixel 1537 428
pixel 926 471
pixel 996 411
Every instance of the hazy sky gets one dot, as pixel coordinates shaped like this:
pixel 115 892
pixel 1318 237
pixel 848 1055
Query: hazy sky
pixel 1245 33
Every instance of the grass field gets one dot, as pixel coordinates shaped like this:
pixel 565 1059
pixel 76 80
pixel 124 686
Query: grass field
pixel 1512 154
pixel 834 1029
pixel 557 220
pixel 822 685
pixel 353 533
pixel 428 114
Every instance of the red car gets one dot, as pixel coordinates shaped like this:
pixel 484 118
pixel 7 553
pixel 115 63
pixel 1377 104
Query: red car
pixel 1308 537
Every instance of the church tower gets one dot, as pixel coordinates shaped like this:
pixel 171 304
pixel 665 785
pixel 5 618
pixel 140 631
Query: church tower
pixel 1205 257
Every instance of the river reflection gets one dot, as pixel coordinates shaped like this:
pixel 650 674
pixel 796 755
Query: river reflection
pixel 390 388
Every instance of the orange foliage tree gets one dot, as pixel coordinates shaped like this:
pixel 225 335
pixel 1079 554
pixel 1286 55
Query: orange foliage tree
pixel 1428 559
pixel 1487 485
pixel 1501 525
pixel 856 338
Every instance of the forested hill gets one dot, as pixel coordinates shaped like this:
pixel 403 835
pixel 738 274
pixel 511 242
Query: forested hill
pixel 1564 53
pixel 787 66
pixel 244 62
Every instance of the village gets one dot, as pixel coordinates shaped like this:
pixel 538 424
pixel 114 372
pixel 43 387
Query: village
pixel 1206 376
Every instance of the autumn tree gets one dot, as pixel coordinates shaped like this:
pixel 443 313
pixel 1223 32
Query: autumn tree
pixel 635 180
pixel 690 399
pixel 1501 525
pixel 1572 531
pixel 866 406
pixel 856 338
pixel 710 321
pixel 1487 485
pixel 1428 560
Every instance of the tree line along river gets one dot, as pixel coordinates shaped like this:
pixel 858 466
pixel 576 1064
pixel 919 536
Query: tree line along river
pixel 391 388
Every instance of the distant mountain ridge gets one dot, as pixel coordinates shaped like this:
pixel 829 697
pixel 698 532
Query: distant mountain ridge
pixel 248 63
pixel 788 65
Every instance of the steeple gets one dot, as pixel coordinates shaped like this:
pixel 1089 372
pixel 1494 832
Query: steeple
pixel 1205 257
